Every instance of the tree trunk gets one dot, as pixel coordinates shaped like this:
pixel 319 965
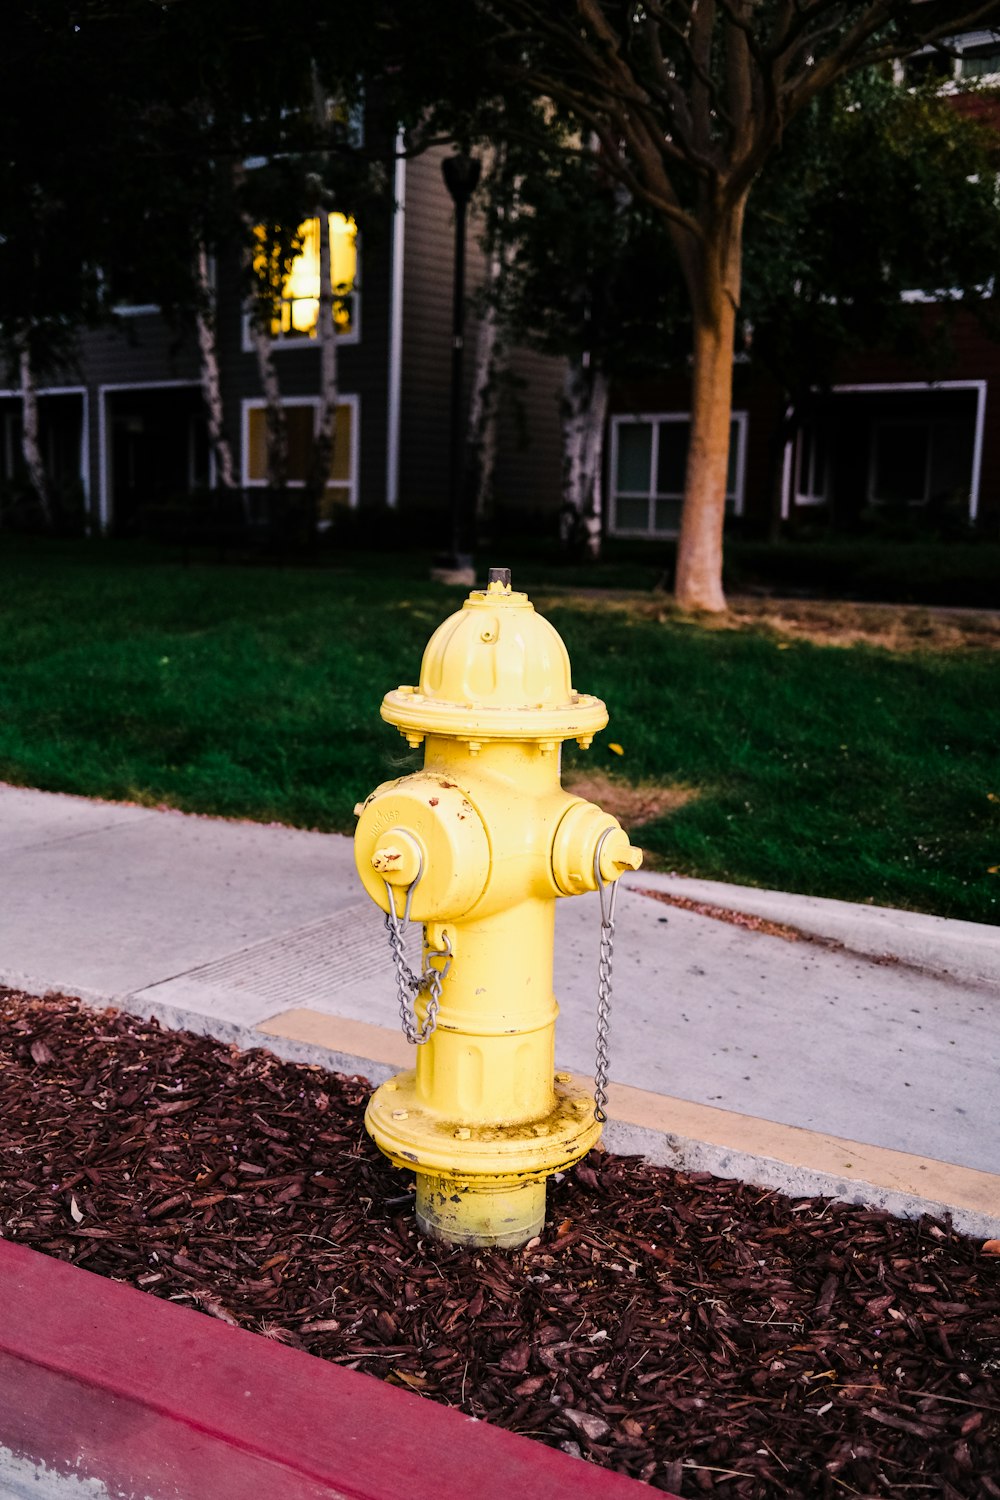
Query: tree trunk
pixel 326 335
pixel 30 446
pixel 584 412
pixel 782 435
pixel 715 300
pixel 211 384
pixel 277 428
pixel 260 314
pixel 492 355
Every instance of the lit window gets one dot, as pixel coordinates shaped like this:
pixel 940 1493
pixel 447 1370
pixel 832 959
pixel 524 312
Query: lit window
pixel 301 427
pixel 297 314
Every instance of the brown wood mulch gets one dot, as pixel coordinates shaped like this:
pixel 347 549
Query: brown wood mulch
pixel 705 1336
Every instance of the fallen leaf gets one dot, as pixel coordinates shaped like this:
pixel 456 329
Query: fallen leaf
pixel 991 1247
pixel 616 749
pixel 74 1211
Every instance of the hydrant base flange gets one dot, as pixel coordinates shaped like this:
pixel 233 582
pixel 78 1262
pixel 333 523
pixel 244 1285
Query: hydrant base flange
pixel 498 1156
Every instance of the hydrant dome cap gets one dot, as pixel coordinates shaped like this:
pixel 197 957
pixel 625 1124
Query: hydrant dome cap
pixel 495 669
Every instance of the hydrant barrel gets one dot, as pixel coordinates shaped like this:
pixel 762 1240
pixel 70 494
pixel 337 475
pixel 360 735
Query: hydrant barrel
pixel 478 846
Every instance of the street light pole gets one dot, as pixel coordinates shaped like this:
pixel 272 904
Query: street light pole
pixel 461 176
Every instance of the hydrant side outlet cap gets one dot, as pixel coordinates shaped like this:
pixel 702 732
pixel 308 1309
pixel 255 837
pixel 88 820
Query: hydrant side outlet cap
pixel 496 668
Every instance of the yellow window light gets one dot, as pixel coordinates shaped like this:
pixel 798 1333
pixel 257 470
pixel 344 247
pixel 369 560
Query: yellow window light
pixel 298 312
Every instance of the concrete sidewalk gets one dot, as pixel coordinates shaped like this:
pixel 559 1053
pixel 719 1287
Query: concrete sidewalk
pixel 793 1064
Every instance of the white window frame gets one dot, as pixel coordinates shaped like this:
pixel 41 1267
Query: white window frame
pixel 926 427
pixel 740 419
pixel 980 387
pixel 14 393
pixel 282 342
pixel 811 495
pixel 103 452
pixel 878 387
pixel 966 40
pixel 257 403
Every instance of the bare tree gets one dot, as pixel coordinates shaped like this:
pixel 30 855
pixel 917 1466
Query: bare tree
pixel 689 98
pixel 31 449
pixel 211 383
pixel 326 334
pixel 584 409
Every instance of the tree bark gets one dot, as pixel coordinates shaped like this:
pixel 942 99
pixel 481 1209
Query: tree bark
pixel 277 428
pixel 30 446
pixel 715 298
pixel 584 412
pixel 492 355
pixel 211 383
pixel 326 335
pixel 260 313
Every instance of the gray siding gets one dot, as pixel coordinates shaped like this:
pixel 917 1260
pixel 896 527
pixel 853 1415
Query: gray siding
pixel 529 463
pixel 529 459
pixel 429 237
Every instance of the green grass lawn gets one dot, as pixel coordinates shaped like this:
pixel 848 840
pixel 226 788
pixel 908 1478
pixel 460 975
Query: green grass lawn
pixel 253 692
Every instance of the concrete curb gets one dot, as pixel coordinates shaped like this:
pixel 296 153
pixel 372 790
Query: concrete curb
pixel 108 1391
pixel 965 951
pixel 668 1132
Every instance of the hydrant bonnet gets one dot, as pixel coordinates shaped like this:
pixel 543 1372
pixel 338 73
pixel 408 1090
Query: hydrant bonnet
pixel 495 670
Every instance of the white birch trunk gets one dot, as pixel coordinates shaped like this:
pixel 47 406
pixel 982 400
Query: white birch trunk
pixel 211 383
pixel 492 357
pixel 584 412
pixel 277 429
pixel 326 336
pixel 267 372
pixel 30 445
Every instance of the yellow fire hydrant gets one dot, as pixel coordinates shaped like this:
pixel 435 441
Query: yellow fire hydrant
pixel 477 846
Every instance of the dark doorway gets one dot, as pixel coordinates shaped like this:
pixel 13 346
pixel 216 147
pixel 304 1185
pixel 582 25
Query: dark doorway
pixel 157 451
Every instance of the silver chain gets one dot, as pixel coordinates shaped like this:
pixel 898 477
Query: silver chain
pixel 609 895
pixel 408 984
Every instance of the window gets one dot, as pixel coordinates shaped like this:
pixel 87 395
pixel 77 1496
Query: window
pixel 980 62
pixel 914 462
pixel 648 464
pixel 302 415
pixel 810 465
pixel 957 60
pixel 298 311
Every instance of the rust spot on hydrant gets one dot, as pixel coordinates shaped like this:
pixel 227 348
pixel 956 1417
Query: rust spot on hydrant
pixel 433 801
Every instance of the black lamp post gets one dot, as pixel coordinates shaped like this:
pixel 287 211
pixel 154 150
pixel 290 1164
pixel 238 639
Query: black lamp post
pixel 461 176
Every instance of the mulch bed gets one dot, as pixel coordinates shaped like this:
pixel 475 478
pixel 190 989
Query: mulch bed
pixel 704 1336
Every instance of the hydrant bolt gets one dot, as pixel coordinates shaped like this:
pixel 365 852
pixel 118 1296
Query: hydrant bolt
pixel 485 840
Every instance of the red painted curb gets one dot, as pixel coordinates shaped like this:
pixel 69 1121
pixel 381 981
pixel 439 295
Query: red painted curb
pixel 156 1401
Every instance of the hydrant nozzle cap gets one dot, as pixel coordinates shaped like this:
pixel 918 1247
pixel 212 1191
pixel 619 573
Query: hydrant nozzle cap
pixel 496 670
